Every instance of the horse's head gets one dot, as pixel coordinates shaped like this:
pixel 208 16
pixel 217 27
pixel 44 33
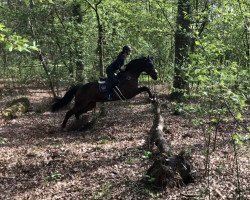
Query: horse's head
pixel 149 68
pixel 144 64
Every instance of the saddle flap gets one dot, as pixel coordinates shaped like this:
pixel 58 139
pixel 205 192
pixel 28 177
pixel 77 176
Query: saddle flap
pixel 102 84
pixel 102 79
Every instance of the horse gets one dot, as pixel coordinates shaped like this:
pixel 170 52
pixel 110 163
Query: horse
pixel 86 95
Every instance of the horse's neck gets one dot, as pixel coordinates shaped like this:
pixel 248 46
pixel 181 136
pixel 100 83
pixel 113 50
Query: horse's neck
pixel 133 72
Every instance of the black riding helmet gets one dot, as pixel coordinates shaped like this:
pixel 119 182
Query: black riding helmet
pixel 127 49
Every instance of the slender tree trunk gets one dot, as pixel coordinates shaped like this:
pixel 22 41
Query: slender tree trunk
pixel 246 38
pixel 68 42
pixel 182 46
pixel 79 54
pixel 100 36
pixel 100 44
pixel 40 53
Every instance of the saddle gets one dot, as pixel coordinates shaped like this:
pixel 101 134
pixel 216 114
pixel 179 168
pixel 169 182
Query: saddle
pixel 103 87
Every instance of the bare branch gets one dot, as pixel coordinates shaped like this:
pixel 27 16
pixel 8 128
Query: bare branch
pixel 91 4
pixel 164 14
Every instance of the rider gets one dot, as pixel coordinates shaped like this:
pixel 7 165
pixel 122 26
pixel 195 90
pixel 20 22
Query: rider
pixel 117 64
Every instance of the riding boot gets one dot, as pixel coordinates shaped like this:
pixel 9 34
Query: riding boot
pixel 110 85
pixel 108 95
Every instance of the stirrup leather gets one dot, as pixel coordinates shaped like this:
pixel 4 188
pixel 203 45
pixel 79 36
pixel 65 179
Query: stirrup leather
pixel 119 93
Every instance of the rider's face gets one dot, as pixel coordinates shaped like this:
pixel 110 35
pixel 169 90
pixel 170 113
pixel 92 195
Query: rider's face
pixel 128 52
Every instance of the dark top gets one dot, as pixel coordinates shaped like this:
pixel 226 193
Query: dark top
pixel 116 64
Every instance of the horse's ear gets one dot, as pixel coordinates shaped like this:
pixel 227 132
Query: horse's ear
pixel 150 58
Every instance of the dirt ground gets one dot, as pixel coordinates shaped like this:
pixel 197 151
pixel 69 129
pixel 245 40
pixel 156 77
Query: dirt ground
pixel 39 161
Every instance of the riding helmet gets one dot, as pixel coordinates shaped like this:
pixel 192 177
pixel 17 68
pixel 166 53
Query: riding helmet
pixel 126 48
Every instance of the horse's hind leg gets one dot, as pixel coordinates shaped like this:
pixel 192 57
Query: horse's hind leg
pixel 68 115
pixel 89 107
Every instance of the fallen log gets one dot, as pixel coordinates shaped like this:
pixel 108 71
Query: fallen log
pixel 15 108
pixel 156 133
pixel 168 169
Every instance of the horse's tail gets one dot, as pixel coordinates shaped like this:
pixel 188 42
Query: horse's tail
pixel 67 98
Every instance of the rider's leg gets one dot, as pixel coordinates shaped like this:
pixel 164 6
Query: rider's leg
pixel 112 82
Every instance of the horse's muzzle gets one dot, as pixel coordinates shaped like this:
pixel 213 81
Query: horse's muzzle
pixel 154 74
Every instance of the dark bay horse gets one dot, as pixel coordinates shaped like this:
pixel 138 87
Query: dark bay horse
pixel 86 95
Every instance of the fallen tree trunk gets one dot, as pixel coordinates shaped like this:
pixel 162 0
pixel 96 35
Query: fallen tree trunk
pixel 156 133
pixel 15 108
pixel 168 169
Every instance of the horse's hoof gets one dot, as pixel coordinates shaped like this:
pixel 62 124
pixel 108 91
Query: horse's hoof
pixel 153 99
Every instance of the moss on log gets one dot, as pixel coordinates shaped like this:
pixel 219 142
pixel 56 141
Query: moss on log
pixel 15 108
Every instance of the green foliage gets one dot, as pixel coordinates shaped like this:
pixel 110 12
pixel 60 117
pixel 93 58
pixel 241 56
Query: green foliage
pixel 147 155
pixel 3 140
pixel 219 70
pixel 219 66
pixel 140 24
pixel 131 160
pixel 150 178
pixel 240 139
pixel 12 41
pixel 54 176
pixel 104 193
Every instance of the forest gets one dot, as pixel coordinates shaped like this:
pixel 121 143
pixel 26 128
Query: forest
pixel 178 126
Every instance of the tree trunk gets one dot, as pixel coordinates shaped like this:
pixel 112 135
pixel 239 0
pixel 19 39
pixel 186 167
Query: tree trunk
pixel 76 10
pixel 40 54
pixel 100 44
pixel 182 46
pixel 99 49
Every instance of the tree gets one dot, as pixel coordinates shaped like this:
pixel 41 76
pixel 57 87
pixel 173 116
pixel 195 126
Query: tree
pixel 182 47
pixel 13 41
pixel 100 40
pixel 77 14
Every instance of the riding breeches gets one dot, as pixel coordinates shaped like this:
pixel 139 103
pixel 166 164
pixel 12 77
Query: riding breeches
pixel 113 81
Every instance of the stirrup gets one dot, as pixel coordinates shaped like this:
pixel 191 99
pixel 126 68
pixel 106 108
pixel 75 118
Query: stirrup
pixel 108 97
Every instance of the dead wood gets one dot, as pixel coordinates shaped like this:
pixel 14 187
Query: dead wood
pixel 15 108
pixel 168 169
pixel 156 133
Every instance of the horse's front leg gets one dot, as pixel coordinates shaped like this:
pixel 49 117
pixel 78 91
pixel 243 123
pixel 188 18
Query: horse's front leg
pixel 145 89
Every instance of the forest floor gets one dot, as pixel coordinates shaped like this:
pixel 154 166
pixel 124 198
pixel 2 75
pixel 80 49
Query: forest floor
pixel 39 161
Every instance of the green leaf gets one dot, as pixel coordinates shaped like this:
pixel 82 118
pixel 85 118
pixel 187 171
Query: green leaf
pixel 238 139
pixel 239 116
pixel 197 43
pixel 147 154
pixel 10 48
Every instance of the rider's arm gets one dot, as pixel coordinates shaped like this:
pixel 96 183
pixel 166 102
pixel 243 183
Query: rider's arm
pixel 118 63
pixel 121 61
